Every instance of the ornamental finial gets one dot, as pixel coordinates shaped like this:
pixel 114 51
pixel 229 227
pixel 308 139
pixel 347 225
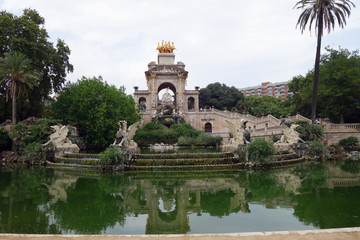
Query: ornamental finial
pixel 165 47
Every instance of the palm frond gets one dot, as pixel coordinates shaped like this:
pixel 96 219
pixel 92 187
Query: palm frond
pixel 332 12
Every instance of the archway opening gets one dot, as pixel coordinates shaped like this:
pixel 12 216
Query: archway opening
pixel 167 88
pixel 208 127
pixel 142 104
pixel 191 104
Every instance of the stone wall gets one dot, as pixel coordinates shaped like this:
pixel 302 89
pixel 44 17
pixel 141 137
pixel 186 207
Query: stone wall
pixel 335 132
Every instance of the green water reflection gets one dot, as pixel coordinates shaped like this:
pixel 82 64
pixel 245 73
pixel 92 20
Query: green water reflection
pixel 306 196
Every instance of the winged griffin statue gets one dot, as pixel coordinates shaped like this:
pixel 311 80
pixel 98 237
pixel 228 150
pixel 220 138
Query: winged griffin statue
pixel 59 140
pixel 290 135
pixel 239 132
pixel 124 136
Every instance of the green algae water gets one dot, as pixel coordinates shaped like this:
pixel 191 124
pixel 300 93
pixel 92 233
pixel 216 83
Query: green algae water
pixel 68 201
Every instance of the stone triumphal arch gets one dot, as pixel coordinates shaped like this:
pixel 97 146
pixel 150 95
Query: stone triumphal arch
pixel 180 103
pixel 166 74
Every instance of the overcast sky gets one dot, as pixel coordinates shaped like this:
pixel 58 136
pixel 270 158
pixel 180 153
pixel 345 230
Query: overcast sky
pixel 238 43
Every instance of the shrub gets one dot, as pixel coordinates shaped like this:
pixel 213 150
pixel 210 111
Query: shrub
pixel 151 126
pixel 350 144
pixel 111 156
pixel 22 134
pixel 185 130
pixel 316 149
pixel 34 153
pixel 260 150
pixel 181 133
pixel 5 142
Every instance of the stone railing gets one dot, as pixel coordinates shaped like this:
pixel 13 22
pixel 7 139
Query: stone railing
pixel 355 126
pixel 299 117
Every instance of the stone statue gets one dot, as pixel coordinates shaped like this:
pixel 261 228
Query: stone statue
pixel 290 135
pixel 240 136
pixel 124 136
pixel 239 132
pixel 120 135
pixel 166 99
pixel 60 142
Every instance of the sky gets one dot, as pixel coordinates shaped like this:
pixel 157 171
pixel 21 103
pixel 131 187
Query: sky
pixel 238 43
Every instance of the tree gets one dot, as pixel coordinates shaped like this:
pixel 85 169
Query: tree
pixel 262 106
pixel 339 87
pixel 17 75
pixel 219 96
pixel 27 35
pixel 301 100
pixel 325 13
pixel 95 108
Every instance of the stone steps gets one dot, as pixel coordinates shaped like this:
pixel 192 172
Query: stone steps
pixel 183 155
pixel 285 156
pixel 77 160
pixel 71 165
pixel 183 161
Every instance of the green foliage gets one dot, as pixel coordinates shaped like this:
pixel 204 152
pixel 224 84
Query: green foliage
pixel 17 75
pixel 275 138
pixel 351 166
pixel 5 142
pixel 152 133
pixel 219 96
pixel 95 108
pixel 312 175
pixel 262 106
pixel 26 34
pixel 182 134
pixel 23 135
pixel 339 87
pixel 185 130
pixel 350 144
pixel 316 149
pixel 153 126
pixel 202 139
pixel 34 153
pixel 111 156
pixel 260 150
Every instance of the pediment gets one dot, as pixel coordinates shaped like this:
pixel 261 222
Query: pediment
pixel 166 69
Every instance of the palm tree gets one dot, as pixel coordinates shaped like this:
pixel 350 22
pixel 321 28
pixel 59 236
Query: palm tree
pixel 16 75
pixel 325 14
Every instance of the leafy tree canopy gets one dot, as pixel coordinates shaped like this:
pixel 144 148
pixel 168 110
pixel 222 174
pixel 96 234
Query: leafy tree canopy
pixel 219 96
pixel 26 34
pixel 339 87
pixel 95 108
pixel 262 106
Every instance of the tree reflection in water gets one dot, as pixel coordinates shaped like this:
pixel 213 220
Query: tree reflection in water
pixel 43 200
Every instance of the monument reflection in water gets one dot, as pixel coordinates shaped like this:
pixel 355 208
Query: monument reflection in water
pixel 308 196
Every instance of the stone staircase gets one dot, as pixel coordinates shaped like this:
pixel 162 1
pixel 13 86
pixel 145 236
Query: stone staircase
pixel 77 160
pixel 174 161
pixel 286 158
pixel 177 161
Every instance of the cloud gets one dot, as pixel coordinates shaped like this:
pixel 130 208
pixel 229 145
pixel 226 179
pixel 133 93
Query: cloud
pixel 239 43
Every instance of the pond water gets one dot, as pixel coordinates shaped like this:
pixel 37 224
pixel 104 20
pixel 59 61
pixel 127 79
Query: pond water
pixel 306 196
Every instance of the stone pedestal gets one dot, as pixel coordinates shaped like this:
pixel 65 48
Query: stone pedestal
pixel 280 147
pixel 166 58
